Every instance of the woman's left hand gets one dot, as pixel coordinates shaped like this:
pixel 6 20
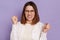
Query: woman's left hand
pixel 46 27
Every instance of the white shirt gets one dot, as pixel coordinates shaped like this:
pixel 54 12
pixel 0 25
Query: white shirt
pixel 28 32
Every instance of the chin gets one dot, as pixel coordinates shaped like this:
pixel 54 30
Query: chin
pixel 30 19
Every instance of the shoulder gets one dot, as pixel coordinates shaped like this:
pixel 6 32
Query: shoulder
pixel 40 23
pixel 16 25
pixel 20 24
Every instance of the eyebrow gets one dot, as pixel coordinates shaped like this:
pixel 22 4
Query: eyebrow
pixel 29 10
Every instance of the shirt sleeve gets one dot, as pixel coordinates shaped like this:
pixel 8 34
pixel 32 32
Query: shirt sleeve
pixel 43 35
pixel 14 32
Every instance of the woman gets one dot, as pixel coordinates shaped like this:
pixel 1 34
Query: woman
pixel 30 27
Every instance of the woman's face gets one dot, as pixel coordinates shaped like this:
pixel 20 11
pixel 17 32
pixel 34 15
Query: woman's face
pixel 29 13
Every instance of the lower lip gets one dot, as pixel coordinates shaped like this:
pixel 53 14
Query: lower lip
pixel 29 16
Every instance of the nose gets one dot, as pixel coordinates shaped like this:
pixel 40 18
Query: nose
pixel 29 13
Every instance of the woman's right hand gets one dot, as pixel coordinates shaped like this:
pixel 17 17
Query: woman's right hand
pixel 14 19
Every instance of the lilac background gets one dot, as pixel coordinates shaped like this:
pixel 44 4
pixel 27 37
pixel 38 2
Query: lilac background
pixel 49 11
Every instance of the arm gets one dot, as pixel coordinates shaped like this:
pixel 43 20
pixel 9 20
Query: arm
pixel 43 36
pixel 14 32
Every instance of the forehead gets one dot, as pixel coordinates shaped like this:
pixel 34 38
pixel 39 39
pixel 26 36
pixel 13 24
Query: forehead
pixel 29 7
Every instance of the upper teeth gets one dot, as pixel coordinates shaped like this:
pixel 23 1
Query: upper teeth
pixel 29 16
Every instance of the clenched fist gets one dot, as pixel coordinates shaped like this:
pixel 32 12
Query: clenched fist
pixel 46 27
pixel 14 19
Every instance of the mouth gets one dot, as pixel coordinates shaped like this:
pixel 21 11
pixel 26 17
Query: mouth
pixel 29 16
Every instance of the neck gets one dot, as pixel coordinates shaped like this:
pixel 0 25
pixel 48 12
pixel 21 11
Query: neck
pixel 29 21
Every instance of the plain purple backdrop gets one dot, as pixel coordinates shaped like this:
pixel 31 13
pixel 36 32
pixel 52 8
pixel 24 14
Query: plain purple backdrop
pixel 49 11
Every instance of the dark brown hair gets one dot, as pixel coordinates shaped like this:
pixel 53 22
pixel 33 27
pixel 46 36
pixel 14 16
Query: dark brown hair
pixel 36 17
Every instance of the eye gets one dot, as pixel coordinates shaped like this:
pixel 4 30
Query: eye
pixel 26 10
pixel 32 11
pixel 29 10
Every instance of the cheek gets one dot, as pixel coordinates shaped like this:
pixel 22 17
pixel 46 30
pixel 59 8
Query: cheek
pixel 26 14
pixel 33 14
